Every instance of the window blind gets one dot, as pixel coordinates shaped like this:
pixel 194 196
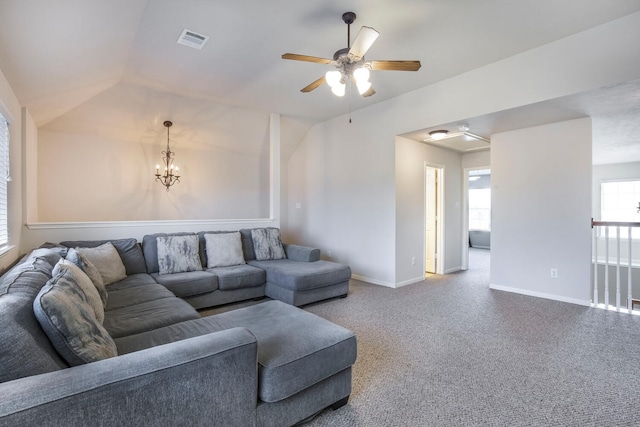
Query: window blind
pixel 4 179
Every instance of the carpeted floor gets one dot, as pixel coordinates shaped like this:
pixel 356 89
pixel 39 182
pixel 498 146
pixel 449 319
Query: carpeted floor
pixel 451 352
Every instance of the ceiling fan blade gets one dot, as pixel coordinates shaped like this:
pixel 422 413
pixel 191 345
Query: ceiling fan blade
pixel 365 38
pixel 313 85
pixel 307 58
pixel 396 65
pixel 370 92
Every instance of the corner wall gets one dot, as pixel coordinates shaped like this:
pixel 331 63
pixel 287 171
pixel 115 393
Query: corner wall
pixel 541 210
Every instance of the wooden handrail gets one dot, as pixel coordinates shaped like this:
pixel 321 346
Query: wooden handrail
pixel 614 224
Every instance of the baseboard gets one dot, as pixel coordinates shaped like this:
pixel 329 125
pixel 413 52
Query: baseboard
pixel 540 295
pixel 453 270
pixel 373 281
pixel 409 282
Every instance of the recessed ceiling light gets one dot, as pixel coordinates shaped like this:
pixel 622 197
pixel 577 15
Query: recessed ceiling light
pixel 438 134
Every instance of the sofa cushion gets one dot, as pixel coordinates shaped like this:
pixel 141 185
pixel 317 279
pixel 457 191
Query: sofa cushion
pixel 247 244
pixel 238 277
pixel 129 250
pixel 300 276
pixel 189 283
pixel 267 244
pixel 147 316
pixel 90 270
pixel 178 254
pixel 107 261
pixel 26 349
pixel 223 249
pixel 296 349
pixel 150 249
pixel 75 275
pixel 69 320
pixel 136 289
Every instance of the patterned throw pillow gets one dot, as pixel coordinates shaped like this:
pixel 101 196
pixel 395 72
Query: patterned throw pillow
pixel 107 260
pixel 267 244
pixel 224 249
pixel 66 316
pixel 84 282
pixel 178 254
pixel 90 270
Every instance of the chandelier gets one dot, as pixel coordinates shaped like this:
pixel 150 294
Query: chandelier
pixel 170 174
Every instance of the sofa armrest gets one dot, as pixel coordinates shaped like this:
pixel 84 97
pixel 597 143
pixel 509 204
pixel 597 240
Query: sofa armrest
pixel 302 253
pixel 210 379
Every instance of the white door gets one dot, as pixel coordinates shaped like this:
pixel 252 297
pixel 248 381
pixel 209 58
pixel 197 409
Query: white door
pixel 431 225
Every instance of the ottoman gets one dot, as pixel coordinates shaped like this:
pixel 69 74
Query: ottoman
pixel 304 361
pixel 299 283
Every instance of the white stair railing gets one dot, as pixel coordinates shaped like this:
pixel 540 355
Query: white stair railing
pixel 601 232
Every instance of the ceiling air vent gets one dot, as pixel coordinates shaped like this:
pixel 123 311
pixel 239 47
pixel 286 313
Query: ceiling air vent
pixel 192 39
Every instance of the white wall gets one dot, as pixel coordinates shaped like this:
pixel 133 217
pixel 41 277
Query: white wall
pixel 411 157
pixel 342 177
pixel 541 210
pixel 103 155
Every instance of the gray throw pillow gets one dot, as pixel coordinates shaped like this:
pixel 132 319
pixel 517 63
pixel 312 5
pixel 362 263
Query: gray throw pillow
pixel 107 260
pixel 178 254
pixel 223 249
pixel 66 316
pixel 267 244
pixel 87 266
pixel 84 283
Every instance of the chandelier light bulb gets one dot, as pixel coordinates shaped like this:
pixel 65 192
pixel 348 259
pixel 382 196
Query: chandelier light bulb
pixel 333 77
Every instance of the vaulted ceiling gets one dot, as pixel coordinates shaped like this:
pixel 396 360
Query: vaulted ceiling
pixel 58 54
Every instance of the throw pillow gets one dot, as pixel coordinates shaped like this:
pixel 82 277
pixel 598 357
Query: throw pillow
pixel 90 270
pixel 267 244
pixel 224 249
pixel 83 281
pixel 178 254
pixel 107 260
pixel 64 313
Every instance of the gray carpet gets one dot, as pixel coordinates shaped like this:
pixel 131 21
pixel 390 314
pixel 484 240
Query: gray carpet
pixel 451 352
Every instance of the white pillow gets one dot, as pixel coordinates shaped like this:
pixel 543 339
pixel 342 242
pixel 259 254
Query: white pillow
pixel 178 254
pixel 107 260
pixel 224 249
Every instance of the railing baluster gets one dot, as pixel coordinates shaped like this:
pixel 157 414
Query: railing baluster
pixel 629 283
pixel 595 266
pixel 606 268
pixel 597 237
pixel 618 268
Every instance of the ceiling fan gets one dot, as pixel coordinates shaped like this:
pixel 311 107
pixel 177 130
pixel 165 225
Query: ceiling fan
pixel 350 63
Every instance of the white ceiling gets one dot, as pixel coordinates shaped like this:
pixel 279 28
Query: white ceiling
pixel 58 54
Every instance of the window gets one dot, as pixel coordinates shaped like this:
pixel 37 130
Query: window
pixel 4 179
pixel 480 209
pixel 619 202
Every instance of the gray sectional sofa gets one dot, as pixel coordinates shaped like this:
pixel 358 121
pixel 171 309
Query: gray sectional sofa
pixel 153 360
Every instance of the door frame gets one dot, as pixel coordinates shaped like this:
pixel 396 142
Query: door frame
pixel 440 238
pixel 465 214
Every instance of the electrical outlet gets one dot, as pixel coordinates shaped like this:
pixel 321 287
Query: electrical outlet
pixel 554 273
pixel 413 260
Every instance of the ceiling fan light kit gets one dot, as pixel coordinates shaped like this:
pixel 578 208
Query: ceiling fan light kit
pixel 350 63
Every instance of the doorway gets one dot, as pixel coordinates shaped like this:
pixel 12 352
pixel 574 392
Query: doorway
pixel 434 184
pixel 476 230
